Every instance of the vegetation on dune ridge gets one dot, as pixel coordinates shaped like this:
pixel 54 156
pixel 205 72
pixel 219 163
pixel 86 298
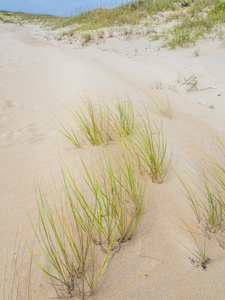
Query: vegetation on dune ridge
pixel 197 22
pixel 84 222
pixel 193 19
pixel 130 13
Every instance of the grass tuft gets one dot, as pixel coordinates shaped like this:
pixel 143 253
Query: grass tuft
pixel 205 189
pixel 150 145
pixel 163 107
pixel 200 257
pixel 86 37
pixel 92 124
pixel 107 212
pixel 199 20
pixel 123 118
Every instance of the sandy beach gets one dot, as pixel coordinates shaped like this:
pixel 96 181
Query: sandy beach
pixel 39 79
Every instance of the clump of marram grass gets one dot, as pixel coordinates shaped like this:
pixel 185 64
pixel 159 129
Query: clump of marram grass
pixel 163 107
pixel 106 212
pixel 96 124
pixel 205 190
pixel 116 193
pixel 205 197
pixel 150 146
pixel 91 123
pixel 123 118
pixel 85 37
pixel 199 257
pixel 100 33
pixel 68 248
pixel 195 23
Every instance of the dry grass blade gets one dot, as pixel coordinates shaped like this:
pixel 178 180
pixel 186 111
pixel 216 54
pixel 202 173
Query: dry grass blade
pixel 203 188
pixel 187 190
pixel 200 254
pixel 17 281
pixel 192 81
pixel 163 107
pixel 69 133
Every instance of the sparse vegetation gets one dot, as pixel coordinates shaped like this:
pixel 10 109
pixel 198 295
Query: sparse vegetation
pixel 163 107
pixel 97 124
pixel 110 32
pixel 123 118
pixel 103 210
pixel 100 33
pixel 196 53
pixel 67 247
pixel 85 37
pixel 199 257
pixel 205 190
pixel 105 214
pixel 191 81
pixel 92 124
pixel 150 145
pixel 80 226
pixel 197 23
pixel 17 279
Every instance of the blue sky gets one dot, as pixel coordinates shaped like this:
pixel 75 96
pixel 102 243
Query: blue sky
pixel 55 7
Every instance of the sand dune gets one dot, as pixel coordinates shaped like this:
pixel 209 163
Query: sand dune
pixel 38 80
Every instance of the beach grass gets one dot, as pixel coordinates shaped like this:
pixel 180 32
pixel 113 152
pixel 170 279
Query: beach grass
pixel 117 192
pixel 123 117
pixel 197 22
pixel 91 123
pixel 163 107
pixel 204 187
pixel 205 197
pixel 67 248
pixel 191 23
pixel 199 256
pixel 17 278
pixel 130 13
pixel 96 124
pixel 149 146
pixel 104 210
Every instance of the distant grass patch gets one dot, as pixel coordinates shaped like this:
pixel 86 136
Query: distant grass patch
pixel 85 37
pixel 200 19
pixel 20 17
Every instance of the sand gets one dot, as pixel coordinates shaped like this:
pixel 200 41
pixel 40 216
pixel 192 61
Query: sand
pixel 39 79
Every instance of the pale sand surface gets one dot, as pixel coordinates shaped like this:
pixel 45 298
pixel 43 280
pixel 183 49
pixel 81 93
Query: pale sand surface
pixel 39 79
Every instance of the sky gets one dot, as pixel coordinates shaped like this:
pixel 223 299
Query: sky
pixel 55 7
